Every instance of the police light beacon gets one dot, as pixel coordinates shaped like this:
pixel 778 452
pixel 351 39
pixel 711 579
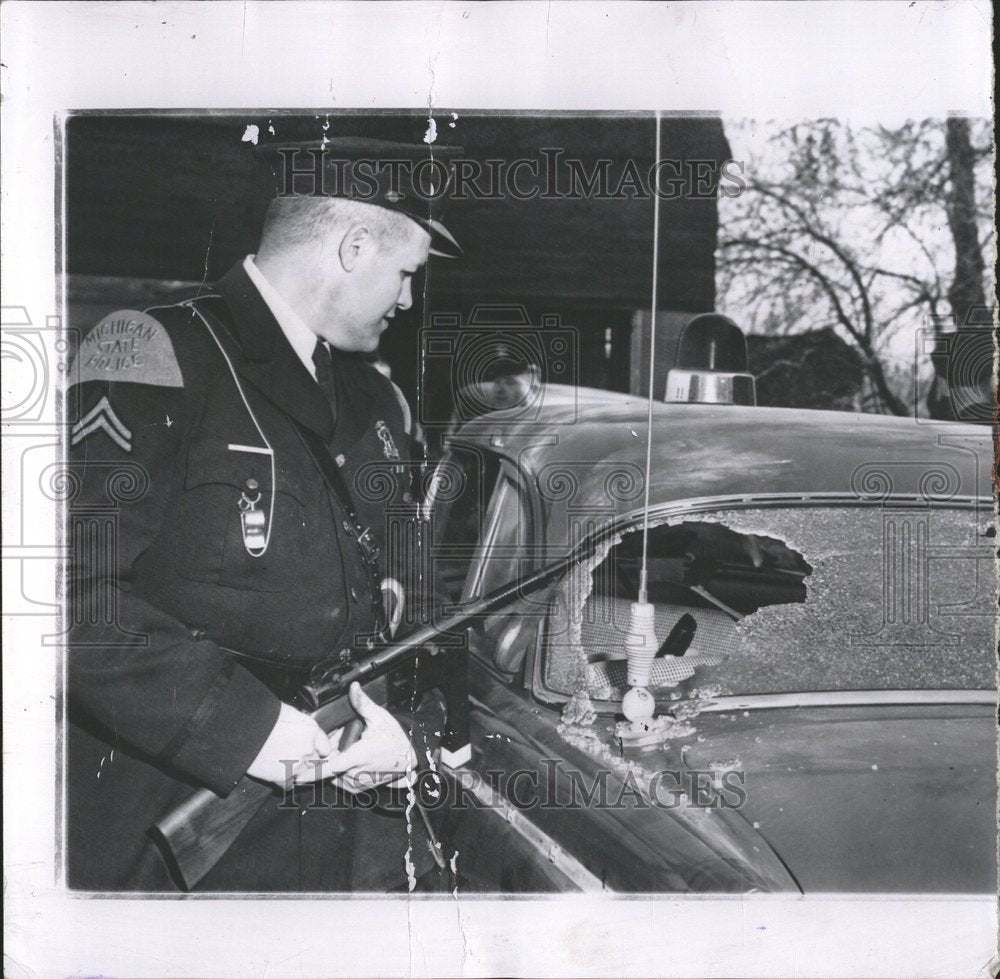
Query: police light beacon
pixel 711 365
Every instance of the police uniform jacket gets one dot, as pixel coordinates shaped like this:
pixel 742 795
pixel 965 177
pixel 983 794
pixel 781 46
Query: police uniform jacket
pixel 188 416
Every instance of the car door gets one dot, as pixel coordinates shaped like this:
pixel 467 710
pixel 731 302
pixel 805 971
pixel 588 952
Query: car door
pixel 484 533
pixel 531 812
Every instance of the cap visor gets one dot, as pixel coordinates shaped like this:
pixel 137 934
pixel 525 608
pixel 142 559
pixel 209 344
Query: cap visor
pixel 442 243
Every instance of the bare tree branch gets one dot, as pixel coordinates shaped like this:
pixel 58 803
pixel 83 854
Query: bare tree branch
pixel 824 239
pixel 855 228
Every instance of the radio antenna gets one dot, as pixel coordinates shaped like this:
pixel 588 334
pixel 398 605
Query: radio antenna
pixel 643 571
pixel 641 643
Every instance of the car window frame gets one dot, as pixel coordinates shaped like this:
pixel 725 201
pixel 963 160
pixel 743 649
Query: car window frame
pixel 508 474
pixel 505 486
pixel 534 671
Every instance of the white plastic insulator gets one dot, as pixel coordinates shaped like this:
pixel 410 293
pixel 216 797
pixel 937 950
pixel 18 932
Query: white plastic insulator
pixel 640 644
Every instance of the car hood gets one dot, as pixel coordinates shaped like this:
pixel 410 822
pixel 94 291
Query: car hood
pixel 872 799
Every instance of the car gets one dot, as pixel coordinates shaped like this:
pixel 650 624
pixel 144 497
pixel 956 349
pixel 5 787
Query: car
pixel 823 592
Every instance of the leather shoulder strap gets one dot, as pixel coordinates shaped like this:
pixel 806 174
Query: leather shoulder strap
pixel 363 536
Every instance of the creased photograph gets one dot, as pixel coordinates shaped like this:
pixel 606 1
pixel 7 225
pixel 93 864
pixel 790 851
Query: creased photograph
pixel 445 523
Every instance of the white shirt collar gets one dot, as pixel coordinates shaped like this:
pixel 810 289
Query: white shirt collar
pixel 301 338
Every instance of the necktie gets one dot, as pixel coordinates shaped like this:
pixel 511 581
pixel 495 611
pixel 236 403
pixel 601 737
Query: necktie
pixel 323 362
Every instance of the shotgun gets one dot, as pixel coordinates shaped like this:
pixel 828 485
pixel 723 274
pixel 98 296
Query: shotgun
pixel 194 836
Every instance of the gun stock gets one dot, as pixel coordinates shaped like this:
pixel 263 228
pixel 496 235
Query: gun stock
pixel 194 836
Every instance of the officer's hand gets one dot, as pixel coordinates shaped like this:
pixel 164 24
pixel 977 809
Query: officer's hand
pixel 382 755
pixel 296 743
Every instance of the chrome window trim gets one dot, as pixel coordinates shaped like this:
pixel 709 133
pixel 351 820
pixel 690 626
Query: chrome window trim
pixel 848 698
pixel 544 845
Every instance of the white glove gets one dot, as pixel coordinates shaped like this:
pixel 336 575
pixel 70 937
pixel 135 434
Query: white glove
pixel 382 755
pixel 296 743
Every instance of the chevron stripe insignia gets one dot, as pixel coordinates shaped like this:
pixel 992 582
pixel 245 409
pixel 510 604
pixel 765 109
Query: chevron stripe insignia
pixel 102 418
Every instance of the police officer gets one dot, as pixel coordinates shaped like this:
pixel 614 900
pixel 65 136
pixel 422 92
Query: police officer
pixel 207 434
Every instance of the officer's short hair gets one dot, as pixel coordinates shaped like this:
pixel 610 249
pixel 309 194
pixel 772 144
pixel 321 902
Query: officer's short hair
pixel 300 220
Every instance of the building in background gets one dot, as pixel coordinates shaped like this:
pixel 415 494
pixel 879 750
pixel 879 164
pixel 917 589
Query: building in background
pixel 555 216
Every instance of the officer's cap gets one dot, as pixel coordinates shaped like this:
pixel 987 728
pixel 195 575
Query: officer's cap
pixel 412 179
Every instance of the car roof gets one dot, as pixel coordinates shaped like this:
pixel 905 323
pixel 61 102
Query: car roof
pixel 590 444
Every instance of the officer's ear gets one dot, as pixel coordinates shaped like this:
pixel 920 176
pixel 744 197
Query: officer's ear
pixel 356 241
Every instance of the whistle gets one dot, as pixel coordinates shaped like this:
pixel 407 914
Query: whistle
pixel 254 529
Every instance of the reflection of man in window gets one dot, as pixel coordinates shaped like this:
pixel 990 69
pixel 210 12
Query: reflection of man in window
pixel 507 381
pixel 510 382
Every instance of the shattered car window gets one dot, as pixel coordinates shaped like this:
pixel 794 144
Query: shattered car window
pixel 787 600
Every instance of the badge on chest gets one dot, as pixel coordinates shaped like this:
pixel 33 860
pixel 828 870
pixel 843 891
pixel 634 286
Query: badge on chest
pixel 389 449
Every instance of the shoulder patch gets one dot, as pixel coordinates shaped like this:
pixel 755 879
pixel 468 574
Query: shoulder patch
pixel 130 347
